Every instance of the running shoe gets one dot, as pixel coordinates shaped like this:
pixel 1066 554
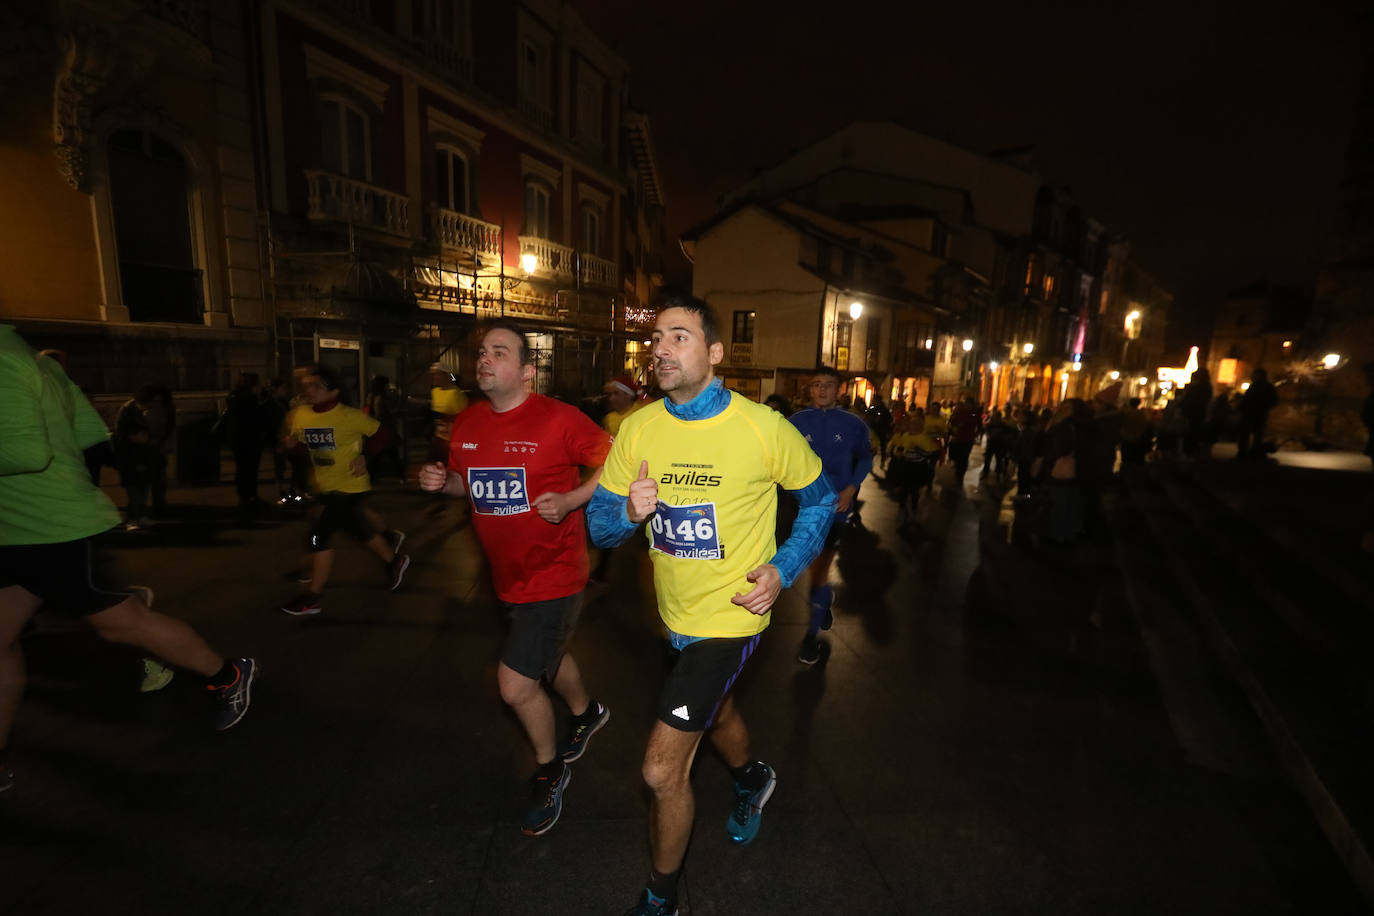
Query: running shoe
pixel 649 905
pixel 744 821
pixel 231 700
pixel 303 605
pixel 395 537
pixel 810 651
pixel 581 735
pixel 546 803
pixel 155 676
pixel 396 570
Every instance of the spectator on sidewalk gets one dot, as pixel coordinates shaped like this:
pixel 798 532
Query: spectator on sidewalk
pixel 51 516
pixel 1255 404
pixel 243 425
pixel 140 437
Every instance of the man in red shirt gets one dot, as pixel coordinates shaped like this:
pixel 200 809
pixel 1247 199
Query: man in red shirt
pixel 517 457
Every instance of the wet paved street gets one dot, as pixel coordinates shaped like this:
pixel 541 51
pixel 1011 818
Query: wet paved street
pixel 987 735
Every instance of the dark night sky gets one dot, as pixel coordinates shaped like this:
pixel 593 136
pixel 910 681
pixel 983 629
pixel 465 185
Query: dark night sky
pixel 1211 135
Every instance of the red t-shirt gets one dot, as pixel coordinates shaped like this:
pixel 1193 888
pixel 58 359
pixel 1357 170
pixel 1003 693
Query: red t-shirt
pixel 507 461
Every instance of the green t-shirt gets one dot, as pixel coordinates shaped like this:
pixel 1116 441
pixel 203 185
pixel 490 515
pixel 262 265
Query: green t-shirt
pixel 46 494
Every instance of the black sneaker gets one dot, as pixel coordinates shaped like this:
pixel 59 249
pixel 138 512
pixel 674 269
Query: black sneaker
pixel 231 700
pixel 581 735
pixel 649 905
pixel 810 651
pixel 546 803
pixel 396 570
pixel 395 538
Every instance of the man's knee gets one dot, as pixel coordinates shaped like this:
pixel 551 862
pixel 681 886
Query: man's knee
pixel 123 623
pixel 516 688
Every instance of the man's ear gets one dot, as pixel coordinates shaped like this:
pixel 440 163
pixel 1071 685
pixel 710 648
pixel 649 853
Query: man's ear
pixel 717 353
pixel 527 373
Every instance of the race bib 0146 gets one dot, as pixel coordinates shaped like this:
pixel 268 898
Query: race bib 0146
pixel 498 491
pixel 687 532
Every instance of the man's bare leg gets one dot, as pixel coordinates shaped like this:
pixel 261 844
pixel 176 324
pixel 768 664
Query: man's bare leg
pixel 667 771
pixel 17 605
pixel 132 623
pixel 532 707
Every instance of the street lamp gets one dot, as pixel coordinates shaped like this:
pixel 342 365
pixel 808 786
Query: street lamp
pixel 1142 381
pixel 930 343
pixel 855 310
pixel 1329 361
pixel 1028 349
pixel 529 262
pixel 1114 374
pixel 968 345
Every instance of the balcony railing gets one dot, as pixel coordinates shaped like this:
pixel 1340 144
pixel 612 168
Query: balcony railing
pixel 334 197
pixel 458 230
pixel 550 257
pixel 597 271
pixel 538 112
pixel 449 57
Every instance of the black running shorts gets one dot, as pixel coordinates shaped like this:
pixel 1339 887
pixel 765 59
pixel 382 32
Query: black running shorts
pixel 539 634
pixel 339 512
pixel 702 676
pixel 77 578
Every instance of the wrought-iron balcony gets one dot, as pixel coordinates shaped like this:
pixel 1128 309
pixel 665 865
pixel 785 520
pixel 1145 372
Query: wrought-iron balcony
pixel 597 271
pixel 538 112
pixel 549 257
pixel 334 197
pixel 458 230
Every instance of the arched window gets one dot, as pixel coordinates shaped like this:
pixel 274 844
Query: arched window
pixel 591 230
pixel 345 138
pixel 150 199
pixel 536 210
pixel 452 179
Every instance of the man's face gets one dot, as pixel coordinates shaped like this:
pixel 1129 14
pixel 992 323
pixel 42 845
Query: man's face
pixel 617 398
pixel 682 359
pixel 313 387
pixel 825 391
pixel 499 371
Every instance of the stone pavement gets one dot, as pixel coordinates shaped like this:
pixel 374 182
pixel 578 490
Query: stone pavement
pixel 986 736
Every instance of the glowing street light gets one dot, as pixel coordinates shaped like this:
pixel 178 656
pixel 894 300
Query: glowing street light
pixel 1077 367
pixel 1134 316
pixel 1114 374
pixel 968 345
pixel 855 310
pixel 1028 349
pixel 930 343
pixel 1331 360
pixel 529 263
pixel 1143 381
pixel 992 366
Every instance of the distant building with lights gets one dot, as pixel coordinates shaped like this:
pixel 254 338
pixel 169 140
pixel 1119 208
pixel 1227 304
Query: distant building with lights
pixel 1040 292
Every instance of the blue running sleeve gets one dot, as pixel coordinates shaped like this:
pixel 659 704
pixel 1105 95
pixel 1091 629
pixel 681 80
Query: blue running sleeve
pixel 606 519
pixel 817 501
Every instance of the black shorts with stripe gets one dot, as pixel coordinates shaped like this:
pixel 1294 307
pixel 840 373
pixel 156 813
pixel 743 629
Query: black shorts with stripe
pixel 702 676
pixel 77 578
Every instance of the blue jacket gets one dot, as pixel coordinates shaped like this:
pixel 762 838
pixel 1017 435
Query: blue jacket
pixel 841 440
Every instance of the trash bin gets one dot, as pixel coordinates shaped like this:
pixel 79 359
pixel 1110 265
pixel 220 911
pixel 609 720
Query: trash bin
pixel 198 452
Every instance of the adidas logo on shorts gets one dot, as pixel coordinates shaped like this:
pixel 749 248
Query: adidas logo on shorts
pixel 681 713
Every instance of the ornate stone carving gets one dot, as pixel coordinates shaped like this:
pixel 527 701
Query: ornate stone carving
pixel 86 61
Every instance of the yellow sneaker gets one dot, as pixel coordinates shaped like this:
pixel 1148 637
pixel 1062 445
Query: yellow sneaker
pixel 155 676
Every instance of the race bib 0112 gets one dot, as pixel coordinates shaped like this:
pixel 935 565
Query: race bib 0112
pixel 686 532
pixel 498 491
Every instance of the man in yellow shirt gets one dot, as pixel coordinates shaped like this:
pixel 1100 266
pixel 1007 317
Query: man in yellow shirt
pixel 622 397
pixel 697 472
pixel 337 439
pixel 447 401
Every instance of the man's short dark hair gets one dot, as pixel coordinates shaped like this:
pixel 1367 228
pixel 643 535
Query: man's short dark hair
pixel 710 325
pixel 828 372
pixel 328 376
pixel 502 324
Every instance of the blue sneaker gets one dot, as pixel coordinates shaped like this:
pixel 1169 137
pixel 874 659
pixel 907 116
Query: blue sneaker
pixel 744 821
pixel 581 735
pixel 649 905
pixel 546 803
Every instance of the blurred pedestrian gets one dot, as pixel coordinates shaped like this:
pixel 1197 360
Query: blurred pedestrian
pixel 140 458
pixel 51 516
pixel 622 399
pixel 1135 434
pixel 446 401
pixel 336 438
pixel 996 445
pixel 912 467
pixel 1059 471
pixel 964 427
pixel 288 474
pixel 879 419
pixel 1255 404
pixel 382 406
pixel 1193 402
pixel 779 403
